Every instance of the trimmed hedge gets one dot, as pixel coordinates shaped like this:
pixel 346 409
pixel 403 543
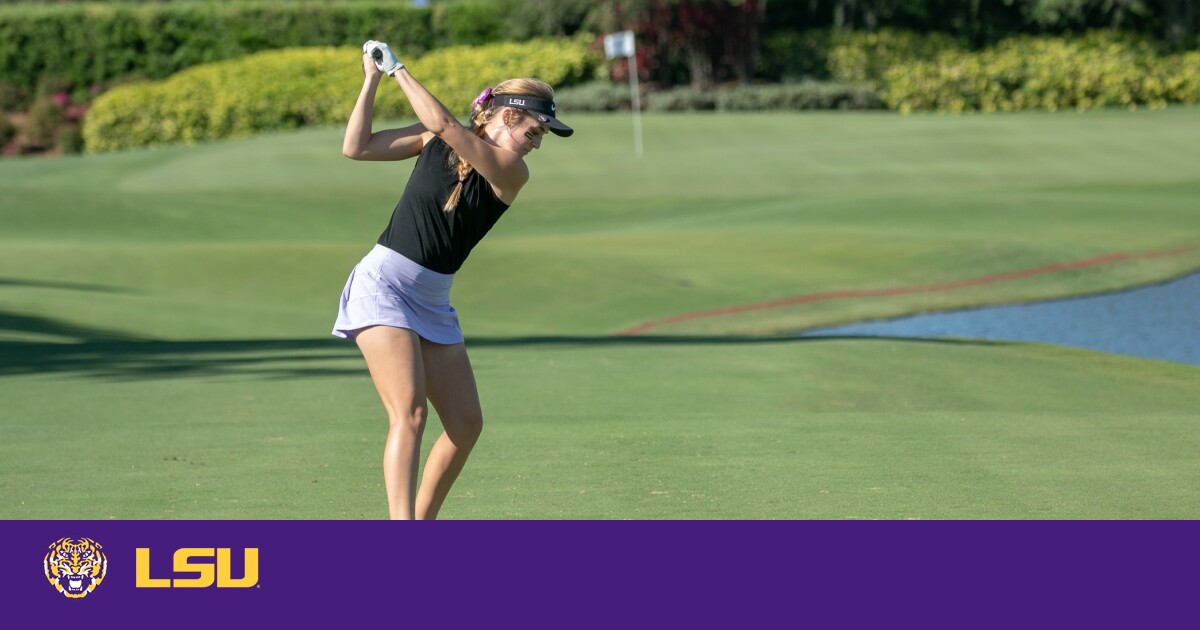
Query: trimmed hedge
pixel 310 86
pixel 594 96
pixel 1020 73
pixel 606 96
pixel 88 44
pixel 799 96
pixel 788 96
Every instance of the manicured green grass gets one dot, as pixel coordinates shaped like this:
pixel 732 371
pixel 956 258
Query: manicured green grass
pixel 164 320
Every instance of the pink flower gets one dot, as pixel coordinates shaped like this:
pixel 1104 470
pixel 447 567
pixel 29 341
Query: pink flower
pixel 62 99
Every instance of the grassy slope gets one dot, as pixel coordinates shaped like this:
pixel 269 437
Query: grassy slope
pixel 233 245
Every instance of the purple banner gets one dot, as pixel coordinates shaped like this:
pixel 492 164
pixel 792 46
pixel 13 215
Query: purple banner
pixel 609 574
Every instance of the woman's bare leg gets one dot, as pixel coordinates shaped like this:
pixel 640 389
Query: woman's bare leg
pixel 450 386
pixel 394 357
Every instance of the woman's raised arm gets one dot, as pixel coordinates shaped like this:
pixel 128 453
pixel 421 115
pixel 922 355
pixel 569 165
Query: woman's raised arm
pixel 360 143
pixel 503 168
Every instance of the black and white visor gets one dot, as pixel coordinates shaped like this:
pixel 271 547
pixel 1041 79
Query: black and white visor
pixel 541 109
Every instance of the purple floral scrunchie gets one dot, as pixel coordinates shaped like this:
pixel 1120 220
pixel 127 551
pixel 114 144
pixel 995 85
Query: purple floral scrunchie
pixel 482 98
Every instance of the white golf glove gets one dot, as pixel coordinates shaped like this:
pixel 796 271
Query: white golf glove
pixel 384 58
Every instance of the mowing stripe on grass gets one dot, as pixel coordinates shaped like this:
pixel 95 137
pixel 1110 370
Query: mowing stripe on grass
pixel 909 290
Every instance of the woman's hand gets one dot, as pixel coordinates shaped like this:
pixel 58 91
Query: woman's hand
pixel 384 58
pixel 370 70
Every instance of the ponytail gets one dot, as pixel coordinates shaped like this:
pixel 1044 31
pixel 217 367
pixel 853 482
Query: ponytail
pixel 481 113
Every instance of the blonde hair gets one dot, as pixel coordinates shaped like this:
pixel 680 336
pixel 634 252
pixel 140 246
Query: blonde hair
pixel 481 115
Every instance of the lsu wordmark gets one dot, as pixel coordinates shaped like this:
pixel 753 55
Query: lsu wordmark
pixel 200 567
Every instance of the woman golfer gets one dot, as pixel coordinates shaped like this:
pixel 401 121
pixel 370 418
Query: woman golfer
pixel 396 302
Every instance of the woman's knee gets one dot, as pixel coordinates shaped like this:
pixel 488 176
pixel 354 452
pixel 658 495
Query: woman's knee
pixel 411 418
pixel 464 430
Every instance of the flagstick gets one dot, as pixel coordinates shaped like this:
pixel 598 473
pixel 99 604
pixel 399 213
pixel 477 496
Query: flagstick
pixel 623 45
pixel 637 104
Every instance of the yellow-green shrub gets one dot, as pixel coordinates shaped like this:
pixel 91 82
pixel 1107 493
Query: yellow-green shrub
pixel 859 57
pixel 1183 82
pixel 308 86
pixel 456 75
pixel 1098 70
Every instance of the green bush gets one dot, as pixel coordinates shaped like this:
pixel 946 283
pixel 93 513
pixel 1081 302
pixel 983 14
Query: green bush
pixel 51 84
pixel 470 23
pixel 90 44
pixel 594 96
pixel 858 57
pixel 681 99
pixel 45 119
pixel 456 75
pixel 799 96
pixel 1183 84
pixel 309 86
pixel 1019 73
pixel 7 131
pixel 787 96
pixel 13 98
pixel 792 56
pixel 70 139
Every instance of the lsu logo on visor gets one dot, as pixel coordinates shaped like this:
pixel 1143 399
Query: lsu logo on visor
pixel 75 566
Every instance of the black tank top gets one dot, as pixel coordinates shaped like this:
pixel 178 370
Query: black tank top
pixel 424 233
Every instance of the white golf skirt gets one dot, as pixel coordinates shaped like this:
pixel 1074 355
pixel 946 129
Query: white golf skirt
pixel 388 289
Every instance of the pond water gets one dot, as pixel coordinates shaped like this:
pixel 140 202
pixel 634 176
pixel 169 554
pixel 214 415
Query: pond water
pixel 1160 321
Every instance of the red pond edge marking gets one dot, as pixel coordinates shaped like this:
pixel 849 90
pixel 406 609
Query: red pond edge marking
pixel 894 291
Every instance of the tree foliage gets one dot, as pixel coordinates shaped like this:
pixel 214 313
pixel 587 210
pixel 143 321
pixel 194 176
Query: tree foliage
pixel 702 42
pixel 714 40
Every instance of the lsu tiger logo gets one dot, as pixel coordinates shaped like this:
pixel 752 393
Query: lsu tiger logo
pixel 75 566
